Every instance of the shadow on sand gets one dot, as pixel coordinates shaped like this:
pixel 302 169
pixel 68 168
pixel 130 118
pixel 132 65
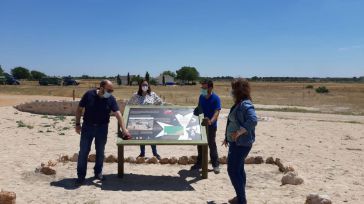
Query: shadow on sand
pixel 137 182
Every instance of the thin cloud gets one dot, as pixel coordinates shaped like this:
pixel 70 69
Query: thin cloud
pixel 349 48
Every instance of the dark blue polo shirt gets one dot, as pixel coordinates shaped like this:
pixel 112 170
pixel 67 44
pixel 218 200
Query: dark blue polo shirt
pixel 210 105
pixel 97 109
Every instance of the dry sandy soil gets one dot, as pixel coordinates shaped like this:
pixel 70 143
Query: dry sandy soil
pixel 327 150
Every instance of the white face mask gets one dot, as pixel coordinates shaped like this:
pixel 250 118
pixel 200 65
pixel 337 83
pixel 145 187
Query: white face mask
pixel 145 88
pixel 106 94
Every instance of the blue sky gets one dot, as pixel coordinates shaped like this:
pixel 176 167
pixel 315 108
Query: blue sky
pixel 219 37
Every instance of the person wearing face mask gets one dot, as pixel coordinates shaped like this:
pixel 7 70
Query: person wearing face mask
pixel 240 136
pixel 97 105
pixel 145 96
pixel 209 104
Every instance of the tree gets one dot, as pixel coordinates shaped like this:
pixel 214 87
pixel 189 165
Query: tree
pixel 118 80
pixel 188 74
pixel 1 71
pixel 20 73
pixel 129 81
pixel 170 73
pixel 163 80
pixel 147 77
pixel 37 75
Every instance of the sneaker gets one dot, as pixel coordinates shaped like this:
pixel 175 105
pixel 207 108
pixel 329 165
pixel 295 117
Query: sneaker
pixel 233 200
pixel 100 177
pixel 158 156
pixel 79 181
pixel 195 167
pixel 217 170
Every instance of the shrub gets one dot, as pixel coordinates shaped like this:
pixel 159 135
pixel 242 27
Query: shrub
pixel 322 89
pixel 309 86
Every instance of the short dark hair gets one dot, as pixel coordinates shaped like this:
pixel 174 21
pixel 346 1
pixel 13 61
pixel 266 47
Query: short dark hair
pixel 103 83
pixel 210 83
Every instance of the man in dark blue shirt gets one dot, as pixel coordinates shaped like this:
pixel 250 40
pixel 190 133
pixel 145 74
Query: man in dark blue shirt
pixel 97 105
pixel 209 104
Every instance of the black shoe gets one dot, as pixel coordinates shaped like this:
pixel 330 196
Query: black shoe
pixel 100 177
pixel 195 167
pixel 141 156
pixel 158 156
pixel 79 181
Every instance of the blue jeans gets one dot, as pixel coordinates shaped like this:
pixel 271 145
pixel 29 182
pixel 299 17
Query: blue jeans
pixel 154 150
pixel 236 171
pixel 88 133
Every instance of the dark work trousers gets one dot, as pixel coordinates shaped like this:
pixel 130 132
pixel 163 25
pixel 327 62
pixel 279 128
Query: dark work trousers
pixel 154 150
pixel 88 133
pixel 211 140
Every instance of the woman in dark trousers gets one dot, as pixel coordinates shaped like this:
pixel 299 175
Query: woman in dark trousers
pixel 240 136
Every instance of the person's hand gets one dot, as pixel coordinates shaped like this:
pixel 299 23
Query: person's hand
pixel 224 143
pixel 206 122
pixel 78 129
pixel 235 135
pixel 126 134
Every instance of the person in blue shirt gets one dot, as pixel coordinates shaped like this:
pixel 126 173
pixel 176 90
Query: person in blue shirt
pixel 97 105
pixel 209 104
pixel 240 136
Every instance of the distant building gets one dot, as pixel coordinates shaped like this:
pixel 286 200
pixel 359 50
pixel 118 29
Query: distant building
pixel 124 79
pixel 169 80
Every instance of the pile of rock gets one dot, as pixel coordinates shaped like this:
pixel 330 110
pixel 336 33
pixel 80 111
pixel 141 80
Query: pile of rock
pixel 291 178
pixel 254 160
pixel 317 199
pixel 7 197
pixel 46 169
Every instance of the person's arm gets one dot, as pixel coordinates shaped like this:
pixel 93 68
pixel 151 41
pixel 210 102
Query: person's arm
pixel 122 124
pixel 250 120
pixel 78 119
pixel 157 99
pixel 217 111
pixel 79 110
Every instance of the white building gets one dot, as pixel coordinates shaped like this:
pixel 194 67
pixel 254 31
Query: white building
pixel 169 80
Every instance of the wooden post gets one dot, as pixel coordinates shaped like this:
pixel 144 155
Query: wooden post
pixel 205 161
pixel 205 150
pixel 121 161
pixel 74 94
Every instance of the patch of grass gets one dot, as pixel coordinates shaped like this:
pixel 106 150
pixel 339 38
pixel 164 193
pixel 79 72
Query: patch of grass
pixel 59 117
pixel 44 116
pixel 46 125
pixel 48 130
pixel 61 133
pixel 322 89
pixel 309 86
pixel 65 128
pixel 22 124
pixel 288 109
pixel 40 131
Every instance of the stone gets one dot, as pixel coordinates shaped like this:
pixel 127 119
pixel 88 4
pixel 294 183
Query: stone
pixel 173 160
pixel 192 160
pixel 74 158
pixel 314 198
pixel 130 160
pixel 288 169
pixel 47 170
pixel 291 178
pixel 270 160
pixel 140 160
pixel 153 160
pixel 183 160
pixel 258 160
pixel 91 158
pixel 7 197
pixel 164 161
pixel 111 159
pixel 223 160
pixel 249 160
pixel 63 158
pixel 51 163
pixel 254 160
pixel 280 165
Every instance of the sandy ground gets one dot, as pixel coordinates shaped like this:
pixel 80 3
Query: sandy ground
pixel 327 151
